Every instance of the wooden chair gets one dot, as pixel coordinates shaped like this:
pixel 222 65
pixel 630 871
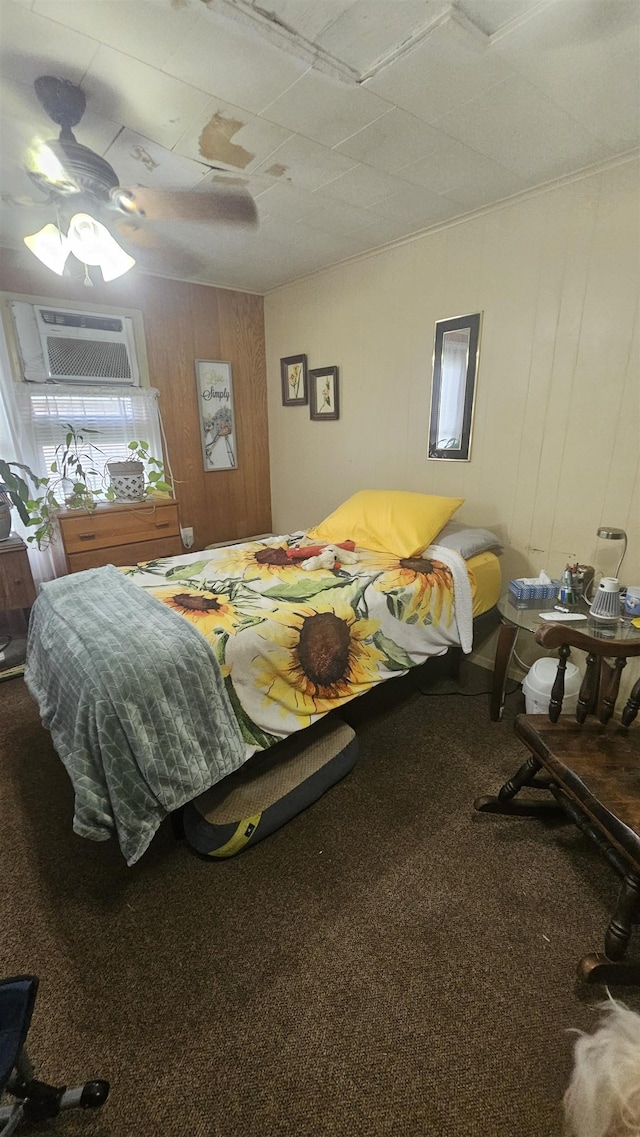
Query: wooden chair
pixel 592 769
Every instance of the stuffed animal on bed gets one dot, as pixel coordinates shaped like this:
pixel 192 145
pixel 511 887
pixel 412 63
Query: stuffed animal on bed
pixel 331 557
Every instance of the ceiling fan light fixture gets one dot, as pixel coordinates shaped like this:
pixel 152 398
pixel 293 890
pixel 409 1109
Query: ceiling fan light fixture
pixel 76 178
pixel 49 246
pixel 93 244
pixel 88 239
pixel 116 263
pixel 43 162
pixel 124 200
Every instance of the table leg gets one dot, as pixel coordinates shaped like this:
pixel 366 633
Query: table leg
pixel 504 650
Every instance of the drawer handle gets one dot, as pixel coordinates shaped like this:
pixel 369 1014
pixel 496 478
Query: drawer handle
pixel 86 536
pixel 161 524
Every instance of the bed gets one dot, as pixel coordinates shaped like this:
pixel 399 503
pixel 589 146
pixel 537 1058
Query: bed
pixel 271 635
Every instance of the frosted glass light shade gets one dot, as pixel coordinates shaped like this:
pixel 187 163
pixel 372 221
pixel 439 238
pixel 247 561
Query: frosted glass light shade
pixel 50 247
pixel 87 239
pixel 116 263
pixel 42 159
pixel 93 244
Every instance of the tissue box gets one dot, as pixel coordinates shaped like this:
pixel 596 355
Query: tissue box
pixel 520 592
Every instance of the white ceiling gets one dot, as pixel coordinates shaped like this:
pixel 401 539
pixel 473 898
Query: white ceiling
pixel 352 122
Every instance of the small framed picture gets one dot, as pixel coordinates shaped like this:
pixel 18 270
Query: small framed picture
pixel 293 371
pixel 323 398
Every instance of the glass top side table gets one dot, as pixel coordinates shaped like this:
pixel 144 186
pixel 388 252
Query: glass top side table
pixel 513 619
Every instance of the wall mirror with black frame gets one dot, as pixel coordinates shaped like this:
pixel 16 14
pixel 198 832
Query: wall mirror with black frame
pixel 453 385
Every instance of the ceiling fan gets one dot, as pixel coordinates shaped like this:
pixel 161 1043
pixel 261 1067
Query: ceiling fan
pixel 77 180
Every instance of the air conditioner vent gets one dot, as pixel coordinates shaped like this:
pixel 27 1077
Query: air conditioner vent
pixel 91 359
pixel 62 345
pixel 81 320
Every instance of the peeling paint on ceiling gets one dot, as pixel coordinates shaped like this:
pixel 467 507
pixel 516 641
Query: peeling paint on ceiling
pixel 467 104
pixel 277 170
pixel 215 143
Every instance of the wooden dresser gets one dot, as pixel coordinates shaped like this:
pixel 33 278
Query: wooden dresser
pixel 115 534
pixel 16 582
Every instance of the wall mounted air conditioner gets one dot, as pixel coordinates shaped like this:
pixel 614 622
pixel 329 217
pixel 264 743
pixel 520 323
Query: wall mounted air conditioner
pixel 63 345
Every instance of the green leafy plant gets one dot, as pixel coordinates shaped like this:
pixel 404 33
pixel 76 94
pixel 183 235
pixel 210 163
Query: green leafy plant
pixel 73 465
pixel 34 511
pixel 16 487
pixel 138 451
pixel 38 500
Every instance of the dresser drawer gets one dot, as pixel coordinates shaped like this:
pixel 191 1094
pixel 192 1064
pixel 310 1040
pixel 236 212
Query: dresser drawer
pixel 110 528
pixel 121 555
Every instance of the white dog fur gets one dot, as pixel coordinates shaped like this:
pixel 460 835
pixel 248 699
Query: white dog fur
pixel 603 1098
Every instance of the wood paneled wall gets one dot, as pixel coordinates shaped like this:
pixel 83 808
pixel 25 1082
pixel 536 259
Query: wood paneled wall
pixel 184 322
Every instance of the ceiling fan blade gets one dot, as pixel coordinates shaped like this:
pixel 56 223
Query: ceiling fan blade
pixel 134 231
pixel 229 206
pixel 152 252
pixel 22 201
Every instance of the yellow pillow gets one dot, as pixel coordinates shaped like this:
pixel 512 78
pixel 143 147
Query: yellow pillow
pixel 389 521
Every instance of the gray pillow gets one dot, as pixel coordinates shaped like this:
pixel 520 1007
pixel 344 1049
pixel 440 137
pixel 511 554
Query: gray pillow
pixel 466 540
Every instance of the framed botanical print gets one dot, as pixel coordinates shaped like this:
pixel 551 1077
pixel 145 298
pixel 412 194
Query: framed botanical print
pixel 217 423
pixel 293 372
pixel 323 393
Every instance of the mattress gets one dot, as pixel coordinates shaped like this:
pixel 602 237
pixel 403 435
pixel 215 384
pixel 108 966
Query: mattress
pixel 485 577
pixel 287 647
pixel 295 644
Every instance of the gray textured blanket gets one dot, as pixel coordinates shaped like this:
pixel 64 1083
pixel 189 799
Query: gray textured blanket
pixel 135 703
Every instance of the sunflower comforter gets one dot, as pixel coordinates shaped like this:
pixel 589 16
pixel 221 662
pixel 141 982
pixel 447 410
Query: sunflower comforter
pixel 292 644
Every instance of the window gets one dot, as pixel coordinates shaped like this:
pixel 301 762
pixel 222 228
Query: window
pixel 119 416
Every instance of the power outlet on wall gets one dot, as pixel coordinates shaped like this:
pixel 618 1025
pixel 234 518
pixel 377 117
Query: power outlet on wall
pixel 187 536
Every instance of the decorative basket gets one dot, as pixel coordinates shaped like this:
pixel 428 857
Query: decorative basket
pixel 127 480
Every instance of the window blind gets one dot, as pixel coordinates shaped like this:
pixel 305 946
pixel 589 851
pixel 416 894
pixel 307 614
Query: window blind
pixel 119 416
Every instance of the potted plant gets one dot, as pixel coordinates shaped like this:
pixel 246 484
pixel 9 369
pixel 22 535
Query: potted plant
pixel 39 512
pixel 127 476
pixel 19 487
pixel 73 466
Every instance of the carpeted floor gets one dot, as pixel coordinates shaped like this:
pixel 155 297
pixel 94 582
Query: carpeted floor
pixel 387 963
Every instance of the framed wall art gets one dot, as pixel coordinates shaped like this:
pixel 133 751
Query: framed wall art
pixel 215 406
pixel 323 393
pixel 293 372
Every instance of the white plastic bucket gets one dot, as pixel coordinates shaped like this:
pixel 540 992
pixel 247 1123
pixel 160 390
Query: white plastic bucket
pixel 539 681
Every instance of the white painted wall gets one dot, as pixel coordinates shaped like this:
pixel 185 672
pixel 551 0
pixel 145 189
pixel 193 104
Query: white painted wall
pixel 556 444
